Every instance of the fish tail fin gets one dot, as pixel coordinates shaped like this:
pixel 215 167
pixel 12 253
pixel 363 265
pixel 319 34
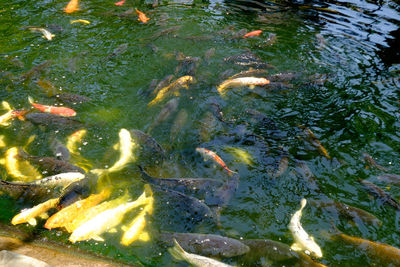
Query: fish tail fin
pixel 6 106
pixel 177 251
pixel 303 203
pixel 30 99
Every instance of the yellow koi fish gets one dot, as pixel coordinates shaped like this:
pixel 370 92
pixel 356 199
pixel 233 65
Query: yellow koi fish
pixel 84 21
pixel 135 231
pixel 90 213
pixel 19 169
pixel 242 81
pixel 69 213
pixel 74 140
pixel 182 82
pixel 29 215
pixel 106 220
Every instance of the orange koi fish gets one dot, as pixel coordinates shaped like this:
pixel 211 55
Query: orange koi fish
pixel 209 154
pixel 142 17
pixel 72 6
pixel 253 33
pixel 62 111
pixel 120 3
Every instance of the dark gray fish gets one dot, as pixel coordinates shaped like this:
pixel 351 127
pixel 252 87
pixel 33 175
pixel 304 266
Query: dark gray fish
pixel 209 245
pixel 184 202
pixel 187 65
pixel 78 190
pixel 67 98
pixel 166 32
pixel 391 178
pixel 283 77
pixel 380 194
pixel 35 70
pixel 250 73
pixel 283 165
pixel 179 123
pixel 275 251
pixel 193 186
pixel 117 51
pixel 29 192
pixel 226 74
pixel 169 108
pixel 50 165
pixel 153 48
pixel 148 143
pixel 306 173
pixel 248 59
pixel 53 120
pixel 216 110
pixel 223 195
pixel 348 211
pixel 372 163
pixel 60 150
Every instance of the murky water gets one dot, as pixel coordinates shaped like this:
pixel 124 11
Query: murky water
pixel 345 57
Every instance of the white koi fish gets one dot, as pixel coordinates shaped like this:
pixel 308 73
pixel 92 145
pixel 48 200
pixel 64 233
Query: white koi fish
pixel 242 81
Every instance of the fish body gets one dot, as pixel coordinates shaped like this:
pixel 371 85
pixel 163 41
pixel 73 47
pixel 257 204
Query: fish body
pixel 314 141
pixel 47 86
pixel 72 98
pixel 61 179
pixel 60 151
pixel 134 231
pixel 196 260
pixel 303 241
pixel 212 155
pixel 282 167
pixel 251 72
pixel 381 194
pixel 105 221
pixel 390 178
pixel 126 146
pixel 10 114
pixel 182 82
pixel 242 81
pixel 46 33
pixel 36 69
pixel 209 245
pixel 371 162
pixel 19 169
pixel 142 17
pixel 383 253
pixel 179 123
pixel 61 111
pixel 163 83
pixel 253 33
pixel 68 214
pixel 74 139
pixel 90 213
pixel 169 108
pixel 84 21
pixel 24 191
pixel 248 59
pixel 223 195
pixel 53 120
pixel 72 6
pixel 29 215
pixel 49 164
pixel 148 144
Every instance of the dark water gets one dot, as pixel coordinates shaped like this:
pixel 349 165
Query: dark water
pixel 346 59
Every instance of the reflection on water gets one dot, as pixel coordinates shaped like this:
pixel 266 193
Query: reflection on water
pixel 333 95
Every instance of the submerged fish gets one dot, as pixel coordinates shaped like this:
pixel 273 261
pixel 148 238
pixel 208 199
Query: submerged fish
pixel 36 69
pixel 46 33
pixel 390 178
pixel 251 72
pixel 62 111
pixel 11 114
pixel 49 164
pixel 348 211
pixel 62 179
pixel 380 194
pixel 72 6
pixel 29 215
pixel 69 213
pixel 371 162
pixel 72 98
pixel 169 108
pixel 84 21
pixel 18 168
pixel 283 164
pixel 196 260
pixel 117 51
pixel 212 155
pixel 252 33
pixel 314 141
pixel 248 59
pixel 166 31
pixel 182 82
pixel 187 65
pixel 106 220
pixel 148 144
pixel 242 81
pixel 31 192
pixel 74 139
pixel 47 86
pixel 303 241
pixel 142 17
pixel 241 154
pixel 61 152
pixel 179 123
pixel 163 83
pixel 275 251
pixel 53 120
pixel 205 244
pixel 378 252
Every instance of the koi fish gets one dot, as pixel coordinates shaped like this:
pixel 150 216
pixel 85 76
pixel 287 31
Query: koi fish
pixel 209 154
pixel 134 231
pixel 46 33
pixel 107 220
pixel 84 21
pixel 303 241
pixel 72 6
pixel 29 215
pixel 196 260
pixel 242 81
pixel 314 141
pixel 19 169
pixel 74 139
pixel 62 111
pixel 142 17
pixel 69 213
pixel 11 114
pixel 182 82
pixel 120 3
pixel 253 33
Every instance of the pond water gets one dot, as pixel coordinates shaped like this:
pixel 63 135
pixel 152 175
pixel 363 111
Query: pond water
pixel 344 57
